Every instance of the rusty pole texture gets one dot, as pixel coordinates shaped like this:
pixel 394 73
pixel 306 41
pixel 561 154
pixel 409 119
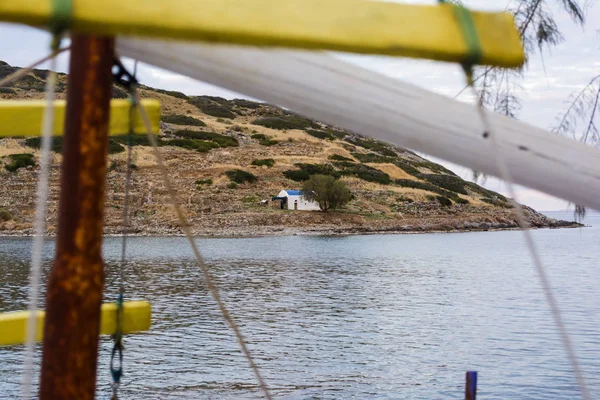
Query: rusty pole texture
pixel 74 296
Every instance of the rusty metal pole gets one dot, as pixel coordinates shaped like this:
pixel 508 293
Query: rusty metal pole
pixel 71 330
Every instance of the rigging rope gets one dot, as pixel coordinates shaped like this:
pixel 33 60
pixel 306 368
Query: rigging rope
pixel 185 226
pixel 537 261
pixel 39 226
pixel 117 372
pixel 472 41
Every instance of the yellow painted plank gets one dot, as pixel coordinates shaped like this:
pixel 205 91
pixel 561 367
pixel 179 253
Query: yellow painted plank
pixel 372 27
pixel 24 117
pixel 136 318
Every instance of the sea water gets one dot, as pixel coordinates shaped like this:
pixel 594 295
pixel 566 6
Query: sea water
pixel 356 317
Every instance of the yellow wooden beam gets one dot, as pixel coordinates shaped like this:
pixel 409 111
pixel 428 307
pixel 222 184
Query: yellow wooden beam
pixel 24 117
pixel 136 317
pixel 359 26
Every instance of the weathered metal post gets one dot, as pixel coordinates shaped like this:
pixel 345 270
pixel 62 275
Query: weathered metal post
pixel 71 330
pixel 471 386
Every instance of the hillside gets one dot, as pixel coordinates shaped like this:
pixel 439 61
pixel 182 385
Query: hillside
pixel 204 138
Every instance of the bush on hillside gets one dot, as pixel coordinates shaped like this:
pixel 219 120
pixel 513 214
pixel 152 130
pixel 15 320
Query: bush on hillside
pixel 319 134
pixel 5 215
pixel 220 140
pixel 285 122
pixel 114 147
pixel 374 145
pixel 211 107
pixel 269 162
pixel 136 140
pixel 172 93
pixel 18 161
pixel 408 183
pixel 367 173
pixel 444 201
pixel 240 176
pixel 179 119
pixel 485 192
pixel 337 157
pixel 449 182
pixel 372 158
pixel 328 192
pixel 264 140
pixel 36 143
pixel 246 103
pixel 201 146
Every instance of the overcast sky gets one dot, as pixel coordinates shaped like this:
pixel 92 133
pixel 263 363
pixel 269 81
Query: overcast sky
pixel 546 87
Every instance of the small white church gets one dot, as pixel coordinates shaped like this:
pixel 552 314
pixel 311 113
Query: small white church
pixel 294 200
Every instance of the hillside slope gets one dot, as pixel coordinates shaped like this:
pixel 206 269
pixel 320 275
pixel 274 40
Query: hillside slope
pixel 204 138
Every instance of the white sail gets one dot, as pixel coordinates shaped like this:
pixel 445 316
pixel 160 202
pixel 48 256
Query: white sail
pixel 320 86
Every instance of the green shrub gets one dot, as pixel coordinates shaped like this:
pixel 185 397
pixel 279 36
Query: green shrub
pixel 319 134
pixel 179 119
pixel 5 90
pixel 264 140
pixel 367 173
pixel 207 181
pixel 246 103
pixel 200 146
pixel 406 167
pixel 296 175
pixel 485 192
pixel 285 122
pixel 305 171
pixel 449 182
pixel 460 200
pixel 18 161
pixel 269 162
pixel 444 201
pixel 328 192
pixel 434 167
pixel 374 145
pixel 36 143
pixel 425 186
pixel 241 176
pixel 5 215
pixel 136 140
pixel 372 158
pixel 211 107
pixel 250 199
pixel 232 185
pixel 497 202
pixel 337 157
pixel 114 147
pixel 220 140
pixel 172 93
pixel 216 99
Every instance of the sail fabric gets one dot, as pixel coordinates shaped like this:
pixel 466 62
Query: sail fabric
pixel 328 89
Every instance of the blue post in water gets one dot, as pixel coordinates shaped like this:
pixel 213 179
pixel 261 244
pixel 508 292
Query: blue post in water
pixel 471 387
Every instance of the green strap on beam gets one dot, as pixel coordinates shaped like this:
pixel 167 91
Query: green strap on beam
pixel 469 31
pixel 60 19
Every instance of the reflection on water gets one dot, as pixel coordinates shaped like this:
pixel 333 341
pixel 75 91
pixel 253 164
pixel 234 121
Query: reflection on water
pixel 355 317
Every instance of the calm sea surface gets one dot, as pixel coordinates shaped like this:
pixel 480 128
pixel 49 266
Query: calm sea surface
pixel 361 317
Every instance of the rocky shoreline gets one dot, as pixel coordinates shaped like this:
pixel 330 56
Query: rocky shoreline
pixel 321 230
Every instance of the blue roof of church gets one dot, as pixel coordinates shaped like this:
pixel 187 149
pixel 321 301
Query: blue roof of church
pixel 293 192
